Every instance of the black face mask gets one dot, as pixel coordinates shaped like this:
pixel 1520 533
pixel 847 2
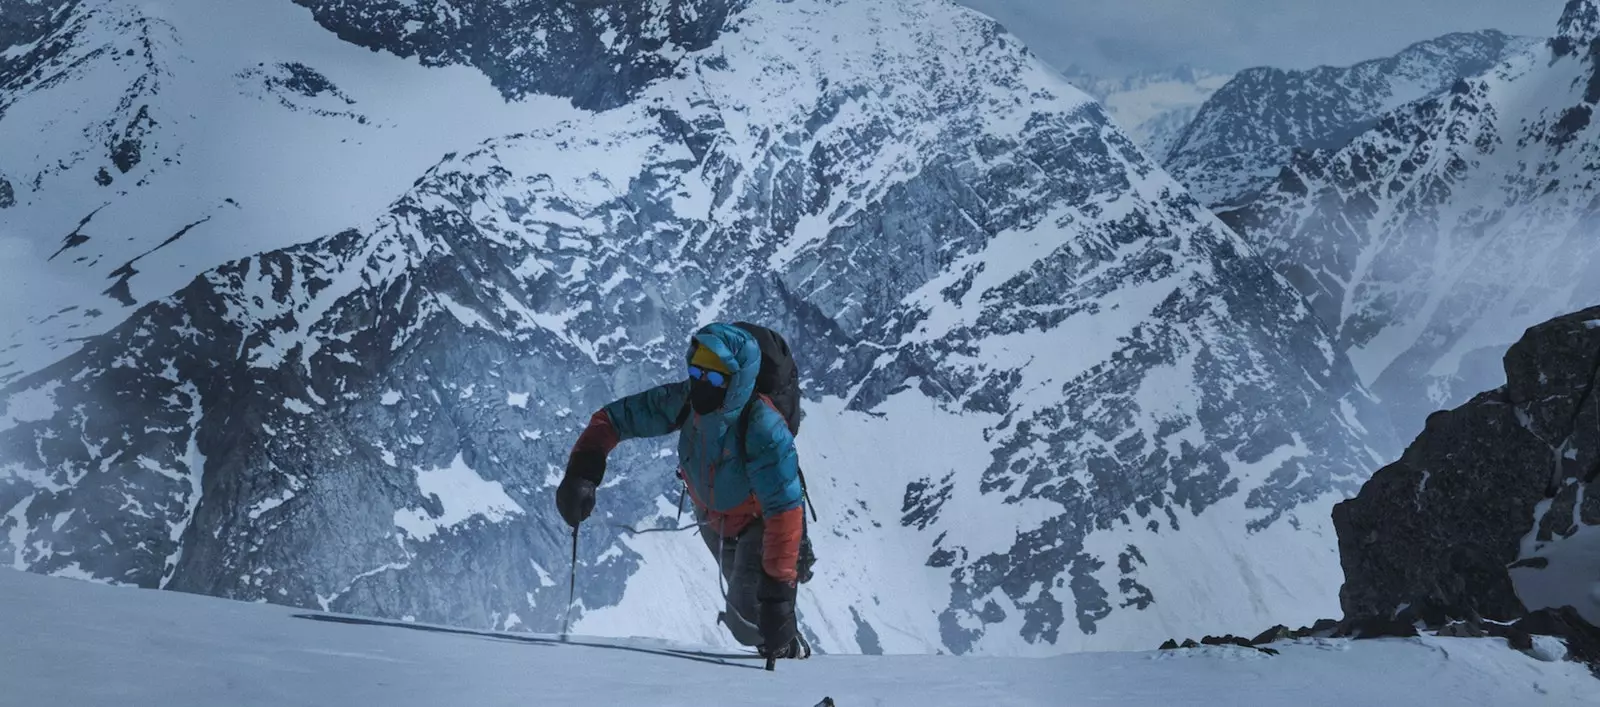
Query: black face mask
pixel 706 398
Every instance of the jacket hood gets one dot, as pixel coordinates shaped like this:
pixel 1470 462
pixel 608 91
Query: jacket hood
pixel 741 353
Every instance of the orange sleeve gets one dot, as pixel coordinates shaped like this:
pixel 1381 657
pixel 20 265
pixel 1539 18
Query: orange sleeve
pixel 780 544
pixel 600 436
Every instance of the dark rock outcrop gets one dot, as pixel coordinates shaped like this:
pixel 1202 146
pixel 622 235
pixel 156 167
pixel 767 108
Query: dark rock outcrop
pixel 1485 527
pixel 1322 629
pixel 1581 637
pixel 1276 633
pixel 1486 513
pixel 1578 640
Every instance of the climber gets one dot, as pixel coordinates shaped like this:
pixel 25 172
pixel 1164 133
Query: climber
pixel 737 457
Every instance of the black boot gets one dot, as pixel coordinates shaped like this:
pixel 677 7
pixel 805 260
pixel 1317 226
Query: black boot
pixel 798 649
pixel 802 649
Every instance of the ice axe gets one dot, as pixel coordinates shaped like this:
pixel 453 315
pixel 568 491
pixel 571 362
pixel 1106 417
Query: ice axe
pixel 572 585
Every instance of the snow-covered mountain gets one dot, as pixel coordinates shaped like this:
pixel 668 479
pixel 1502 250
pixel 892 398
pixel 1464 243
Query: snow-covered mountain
pixel 1249 129
pixel 1152 107
pixel 147 142
pixel 1430 242
pixel 74 643
pixel 1055 404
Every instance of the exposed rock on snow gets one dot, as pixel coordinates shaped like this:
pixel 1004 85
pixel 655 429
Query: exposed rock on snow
pixel 1548 635
pixel 1489 513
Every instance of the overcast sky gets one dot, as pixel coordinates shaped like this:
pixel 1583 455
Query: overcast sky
pixel 1114 37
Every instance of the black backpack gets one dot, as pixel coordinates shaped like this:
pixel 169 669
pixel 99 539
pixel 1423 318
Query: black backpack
pixel 778 379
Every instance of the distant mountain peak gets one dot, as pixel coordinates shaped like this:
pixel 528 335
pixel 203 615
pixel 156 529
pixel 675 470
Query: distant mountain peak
pixel 1152 106
pixel 1446 227
pixel 1248 130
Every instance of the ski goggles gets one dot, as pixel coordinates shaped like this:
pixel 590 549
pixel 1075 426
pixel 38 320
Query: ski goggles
pixel 716 378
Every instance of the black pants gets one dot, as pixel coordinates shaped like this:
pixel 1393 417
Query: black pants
pixel 740 560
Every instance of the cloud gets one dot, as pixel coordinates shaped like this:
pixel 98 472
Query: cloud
pixel 22 274
pixel 1112 37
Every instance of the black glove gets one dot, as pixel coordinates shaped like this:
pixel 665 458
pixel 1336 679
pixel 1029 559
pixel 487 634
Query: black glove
pixel 575 495
pixel 776 618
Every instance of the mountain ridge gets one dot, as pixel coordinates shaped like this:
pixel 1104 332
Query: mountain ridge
pixel 1484 189
pixel 1250 128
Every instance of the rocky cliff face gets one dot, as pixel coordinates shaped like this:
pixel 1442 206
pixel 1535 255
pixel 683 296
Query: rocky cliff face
pixel 598 54
pixel 1492 511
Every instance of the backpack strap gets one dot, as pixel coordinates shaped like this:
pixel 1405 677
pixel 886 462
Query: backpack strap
pixel 805 495
pixel 683 416
pixel 748 412
pixel 743 430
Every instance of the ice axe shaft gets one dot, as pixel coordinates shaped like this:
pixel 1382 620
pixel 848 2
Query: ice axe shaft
pixel 572 584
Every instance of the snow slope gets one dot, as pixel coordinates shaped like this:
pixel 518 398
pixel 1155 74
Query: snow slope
pixel 1432 240
pixel 75 643
pixel 879 574
pixel 145 143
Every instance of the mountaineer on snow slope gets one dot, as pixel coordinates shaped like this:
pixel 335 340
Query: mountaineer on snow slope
pixel 737 457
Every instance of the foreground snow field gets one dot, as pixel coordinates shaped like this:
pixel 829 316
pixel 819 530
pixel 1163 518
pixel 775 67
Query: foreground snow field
pixel 67 642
